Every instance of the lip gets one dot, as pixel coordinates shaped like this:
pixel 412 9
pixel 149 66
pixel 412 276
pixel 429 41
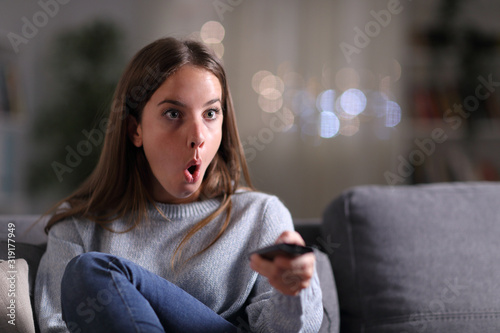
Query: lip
pixel 195 176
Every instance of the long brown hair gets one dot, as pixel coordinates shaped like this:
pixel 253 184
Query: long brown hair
pixel 117 188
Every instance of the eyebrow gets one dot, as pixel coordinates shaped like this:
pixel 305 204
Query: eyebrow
pixel 173 101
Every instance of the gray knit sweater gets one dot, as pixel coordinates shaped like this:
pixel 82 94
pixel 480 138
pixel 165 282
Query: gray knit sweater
pixel 221 277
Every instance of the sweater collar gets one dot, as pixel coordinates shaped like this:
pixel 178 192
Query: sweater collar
pixel 184 211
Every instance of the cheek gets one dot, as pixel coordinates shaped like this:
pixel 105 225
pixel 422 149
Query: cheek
pixel 217 140
pixel 160 149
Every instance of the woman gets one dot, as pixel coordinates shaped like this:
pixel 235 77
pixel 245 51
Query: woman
pixel 158 237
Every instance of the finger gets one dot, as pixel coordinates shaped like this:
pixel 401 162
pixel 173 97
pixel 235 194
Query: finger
pixel 304 262
pixel 298 271
pixel 289 282
pixel 295 281
pixel 261 265
pixel 291 237
pixel 296 276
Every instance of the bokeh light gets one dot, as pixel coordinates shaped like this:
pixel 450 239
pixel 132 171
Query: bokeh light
pixel 218 49
pixel 271 84
pixel 270 89
pixel 341 111
pixel 353 101
pixel 257 78
pixel 329 124
pixel 393 114
pixel 326 101
pixel 271 93
pixel 212 32
pixel 270 105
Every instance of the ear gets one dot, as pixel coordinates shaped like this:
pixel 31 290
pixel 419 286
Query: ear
pixel 134 131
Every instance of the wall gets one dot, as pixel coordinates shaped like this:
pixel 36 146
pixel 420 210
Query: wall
pixel 305 171
pixel 35 80
pixel 284 36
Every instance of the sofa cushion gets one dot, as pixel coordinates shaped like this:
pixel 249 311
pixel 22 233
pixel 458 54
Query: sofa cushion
pixel 417 258
pixel 31 255
pixel 15 304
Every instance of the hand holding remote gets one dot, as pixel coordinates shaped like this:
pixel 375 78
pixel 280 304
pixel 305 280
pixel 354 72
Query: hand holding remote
pixel 287 274
pixel 283 249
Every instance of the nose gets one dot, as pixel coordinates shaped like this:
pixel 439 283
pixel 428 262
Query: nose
pixel 196 138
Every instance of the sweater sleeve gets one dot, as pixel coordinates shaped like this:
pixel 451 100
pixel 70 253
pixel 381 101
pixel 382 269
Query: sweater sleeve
pixel 64 243
pixel 271 311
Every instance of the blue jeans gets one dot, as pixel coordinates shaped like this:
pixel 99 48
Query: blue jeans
pixel 104 293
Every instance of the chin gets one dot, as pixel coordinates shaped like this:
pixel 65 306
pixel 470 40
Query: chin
pixel 175 193
pixel 191 193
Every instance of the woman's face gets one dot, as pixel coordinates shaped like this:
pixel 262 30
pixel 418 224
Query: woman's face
pixel 180 132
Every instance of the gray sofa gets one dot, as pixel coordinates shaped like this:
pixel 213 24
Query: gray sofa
pixel 420 258
pixel 417 258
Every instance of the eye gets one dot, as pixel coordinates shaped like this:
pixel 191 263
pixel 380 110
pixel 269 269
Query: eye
pixel 212 113
pixel 172 114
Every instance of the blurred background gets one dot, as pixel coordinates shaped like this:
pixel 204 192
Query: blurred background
pixel 328 94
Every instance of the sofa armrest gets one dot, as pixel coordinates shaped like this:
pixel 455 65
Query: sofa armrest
pixel 331 316
pixel 310 230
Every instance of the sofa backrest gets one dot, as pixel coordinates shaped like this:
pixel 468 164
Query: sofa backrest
pixel 417 258
pixel 26 228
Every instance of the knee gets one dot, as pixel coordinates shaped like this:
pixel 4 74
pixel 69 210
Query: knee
pixel 84 283
pixel 85 262
pixel 83 265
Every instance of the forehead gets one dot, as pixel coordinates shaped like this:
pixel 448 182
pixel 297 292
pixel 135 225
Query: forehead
pixel 189 84
pixel 193 74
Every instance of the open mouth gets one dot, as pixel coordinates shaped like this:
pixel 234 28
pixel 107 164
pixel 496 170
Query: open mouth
pixel 192 172
pixel 192 169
